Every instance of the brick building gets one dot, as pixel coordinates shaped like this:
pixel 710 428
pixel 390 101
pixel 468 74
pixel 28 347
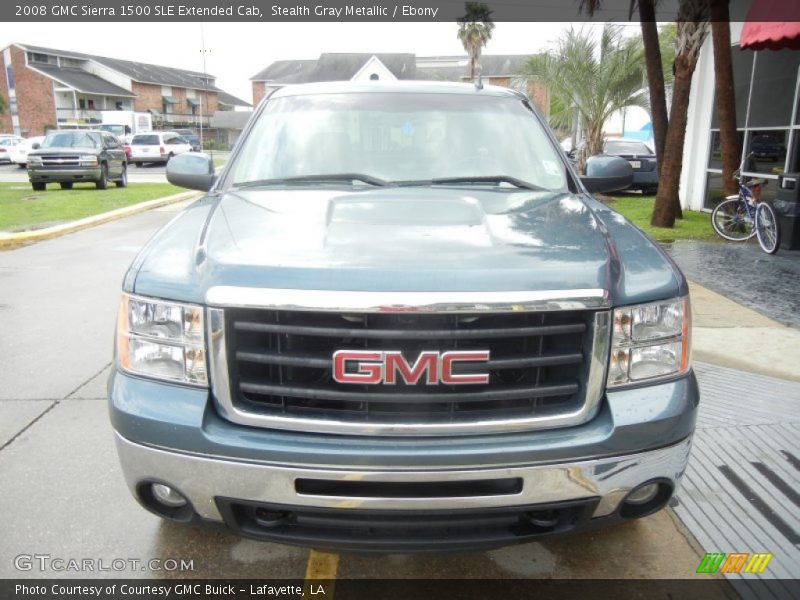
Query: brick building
pixel 497 69
pixel 45 88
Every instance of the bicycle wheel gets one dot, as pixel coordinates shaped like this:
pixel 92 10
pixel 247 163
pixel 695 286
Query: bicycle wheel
pixel 731 220
pixel 767 230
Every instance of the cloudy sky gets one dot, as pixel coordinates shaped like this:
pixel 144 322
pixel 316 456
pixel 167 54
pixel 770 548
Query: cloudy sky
pixel 236 51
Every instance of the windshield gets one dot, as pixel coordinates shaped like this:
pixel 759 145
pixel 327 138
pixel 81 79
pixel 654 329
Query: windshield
pixel 145 140
pixel 114 129
pixel 620 147
pixel 398 137
pixel 72 139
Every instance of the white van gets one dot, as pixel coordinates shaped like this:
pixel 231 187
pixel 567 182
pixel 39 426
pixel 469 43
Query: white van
pixel 157 147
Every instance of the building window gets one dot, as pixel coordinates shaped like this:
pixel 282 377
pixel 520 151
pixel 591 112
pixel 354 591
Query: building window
pixel 374 77
pixel 766 87
pixel 42 58
pixel 10 77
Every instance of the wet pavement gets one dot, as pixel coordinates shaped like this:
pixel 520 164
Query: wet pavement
pixel 63 492
pixel 769 284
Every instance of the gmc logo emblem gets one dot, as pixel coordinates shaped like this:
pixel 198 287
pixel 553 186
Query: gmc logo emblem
pixel 389 367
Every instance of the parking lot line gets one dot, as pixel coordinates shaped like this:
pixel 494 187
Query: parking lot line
pixel 321 566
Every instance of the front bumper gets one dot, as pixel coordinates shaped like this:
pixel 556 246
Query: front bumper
pixel 59 175
pixel 359 492
pixel 392 510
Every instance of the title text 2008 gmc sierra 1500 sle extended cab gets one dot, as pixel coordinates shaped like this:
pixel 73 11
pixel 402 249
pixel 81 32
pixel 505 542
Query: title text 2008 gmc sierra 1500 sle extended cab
pixel 398 321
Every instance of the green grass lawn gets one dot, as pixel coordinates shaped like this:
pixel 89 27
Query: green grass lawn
pixel 695 225
pixel 22 209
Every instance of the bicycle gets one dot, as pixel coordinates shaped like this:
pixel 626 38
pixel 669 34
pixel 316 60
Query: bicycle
pixel 742 216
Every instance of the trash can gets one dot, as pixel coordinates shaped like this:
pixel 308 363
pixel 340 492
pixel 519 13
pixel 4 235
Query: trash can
pixel 787 207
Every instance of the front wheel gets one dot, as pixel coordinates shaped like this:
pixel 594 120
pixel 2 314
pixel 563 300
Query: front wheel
pixel 102 183
pixel 38 186
pixel 66 185
pixel 732 220
pixel 767 229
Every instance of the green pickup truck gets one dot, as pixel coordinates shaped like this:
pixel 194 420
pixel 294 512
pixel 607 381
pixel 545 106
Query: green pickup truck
pixel 77 155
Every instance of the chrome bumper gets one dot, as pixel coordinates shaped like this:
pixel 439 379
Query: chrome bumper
pixel 201 479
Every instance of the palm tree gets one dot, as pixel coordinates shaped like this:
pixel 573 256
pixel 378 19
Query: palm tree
pixel 595 79
pixel 474 31
pixel 692 24
pixel 725 96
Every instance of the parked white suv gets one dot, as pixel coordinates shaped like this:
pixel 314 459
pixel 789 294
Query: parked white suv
pixel 157 146
pixel 7 144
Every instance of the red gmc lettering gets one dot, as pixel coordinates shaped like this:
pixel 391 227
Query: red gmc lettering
pixel 391 367
pixel 448 358
pixel 427 362
pixel 367 372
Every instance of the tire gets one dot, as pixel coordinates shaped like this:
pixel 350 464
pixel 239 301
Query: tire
pixel 123 181
pixel 102 183
pixel 767 228
pixel 138 164
pixel 66 185
pixel 731 221
pixel 38 186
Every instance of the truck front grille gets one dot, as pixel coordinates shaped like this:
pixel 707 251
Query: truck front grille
pixel 280 365
pixel 61 160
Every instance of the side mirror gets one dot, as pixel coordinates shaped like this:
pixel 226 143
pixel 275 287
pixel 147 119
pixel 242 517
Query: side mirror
pixel 35 146
pixel 194 171
pixel 607 174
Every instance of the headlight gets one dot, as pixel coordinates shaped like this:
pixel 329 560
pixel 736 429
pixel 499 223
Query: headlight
pixel 34 161
pixel 163 340
pixel 649 341
pixel 88 160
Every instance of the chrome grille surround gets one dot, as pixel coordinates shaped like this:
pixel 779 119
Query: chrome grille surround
pixel 595 353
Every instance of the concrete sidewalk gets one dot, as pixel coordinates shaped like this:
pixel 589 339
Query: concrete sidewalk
pixel 728 334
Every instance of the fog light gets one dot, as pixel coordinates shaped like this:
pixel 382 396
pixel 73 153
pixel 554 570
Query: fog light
pixel 643 495
pixel 167 496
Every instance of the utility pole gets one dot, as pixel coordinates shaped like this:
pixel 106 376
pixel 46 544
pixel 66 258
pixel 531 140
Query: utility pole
pixel 203 51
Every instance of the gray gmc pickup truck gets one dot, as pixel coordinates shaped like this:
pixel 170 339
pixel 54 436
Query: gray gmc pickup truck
pixel 397 322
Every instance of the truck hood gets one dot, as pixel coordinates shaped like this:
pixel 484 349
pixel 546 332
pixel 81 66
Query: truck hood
pixel 402 239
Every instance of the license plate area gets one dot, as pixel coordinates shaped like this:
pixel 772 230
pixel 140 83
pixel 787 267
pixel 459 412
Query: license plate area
pixel 636 164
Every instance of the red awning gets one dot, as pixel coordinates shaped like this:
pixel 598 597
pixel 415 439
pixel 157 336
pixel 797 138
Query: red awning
pixel 767 26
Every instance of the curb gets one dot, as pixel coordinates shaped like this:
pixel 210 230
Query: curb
pixel 8 240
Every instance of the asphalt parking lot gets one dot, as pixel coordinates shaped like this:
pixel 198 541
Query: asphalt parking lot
pixel 65 493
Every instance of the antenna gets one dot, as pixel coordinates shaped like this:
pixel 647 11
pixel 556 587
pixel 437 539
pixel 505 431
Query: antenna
pixel 479 79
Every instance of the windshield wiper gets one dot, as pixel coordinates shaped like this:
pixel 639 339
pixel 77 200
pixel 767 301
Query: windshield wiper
pixel 473 179
pixel 312 179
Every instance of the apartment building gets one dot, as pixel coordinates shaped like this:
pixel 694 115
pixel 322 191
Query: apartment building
pixel 46 88
pixel 496 69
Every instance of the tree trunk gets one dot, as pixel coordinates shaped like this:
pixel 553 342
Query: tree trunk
pixel 655 84
pixel 725 98
pixel 664 212
pixel 655 76
pixel 472 65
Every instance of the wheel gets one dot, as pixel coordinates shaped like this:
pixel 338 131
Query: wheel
pixel 22 165
pixel 102 183
pixel 767 228
pixel 138 164
pixel 732 220
pixel 38 186
pixel 66 185
pixel 123 181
